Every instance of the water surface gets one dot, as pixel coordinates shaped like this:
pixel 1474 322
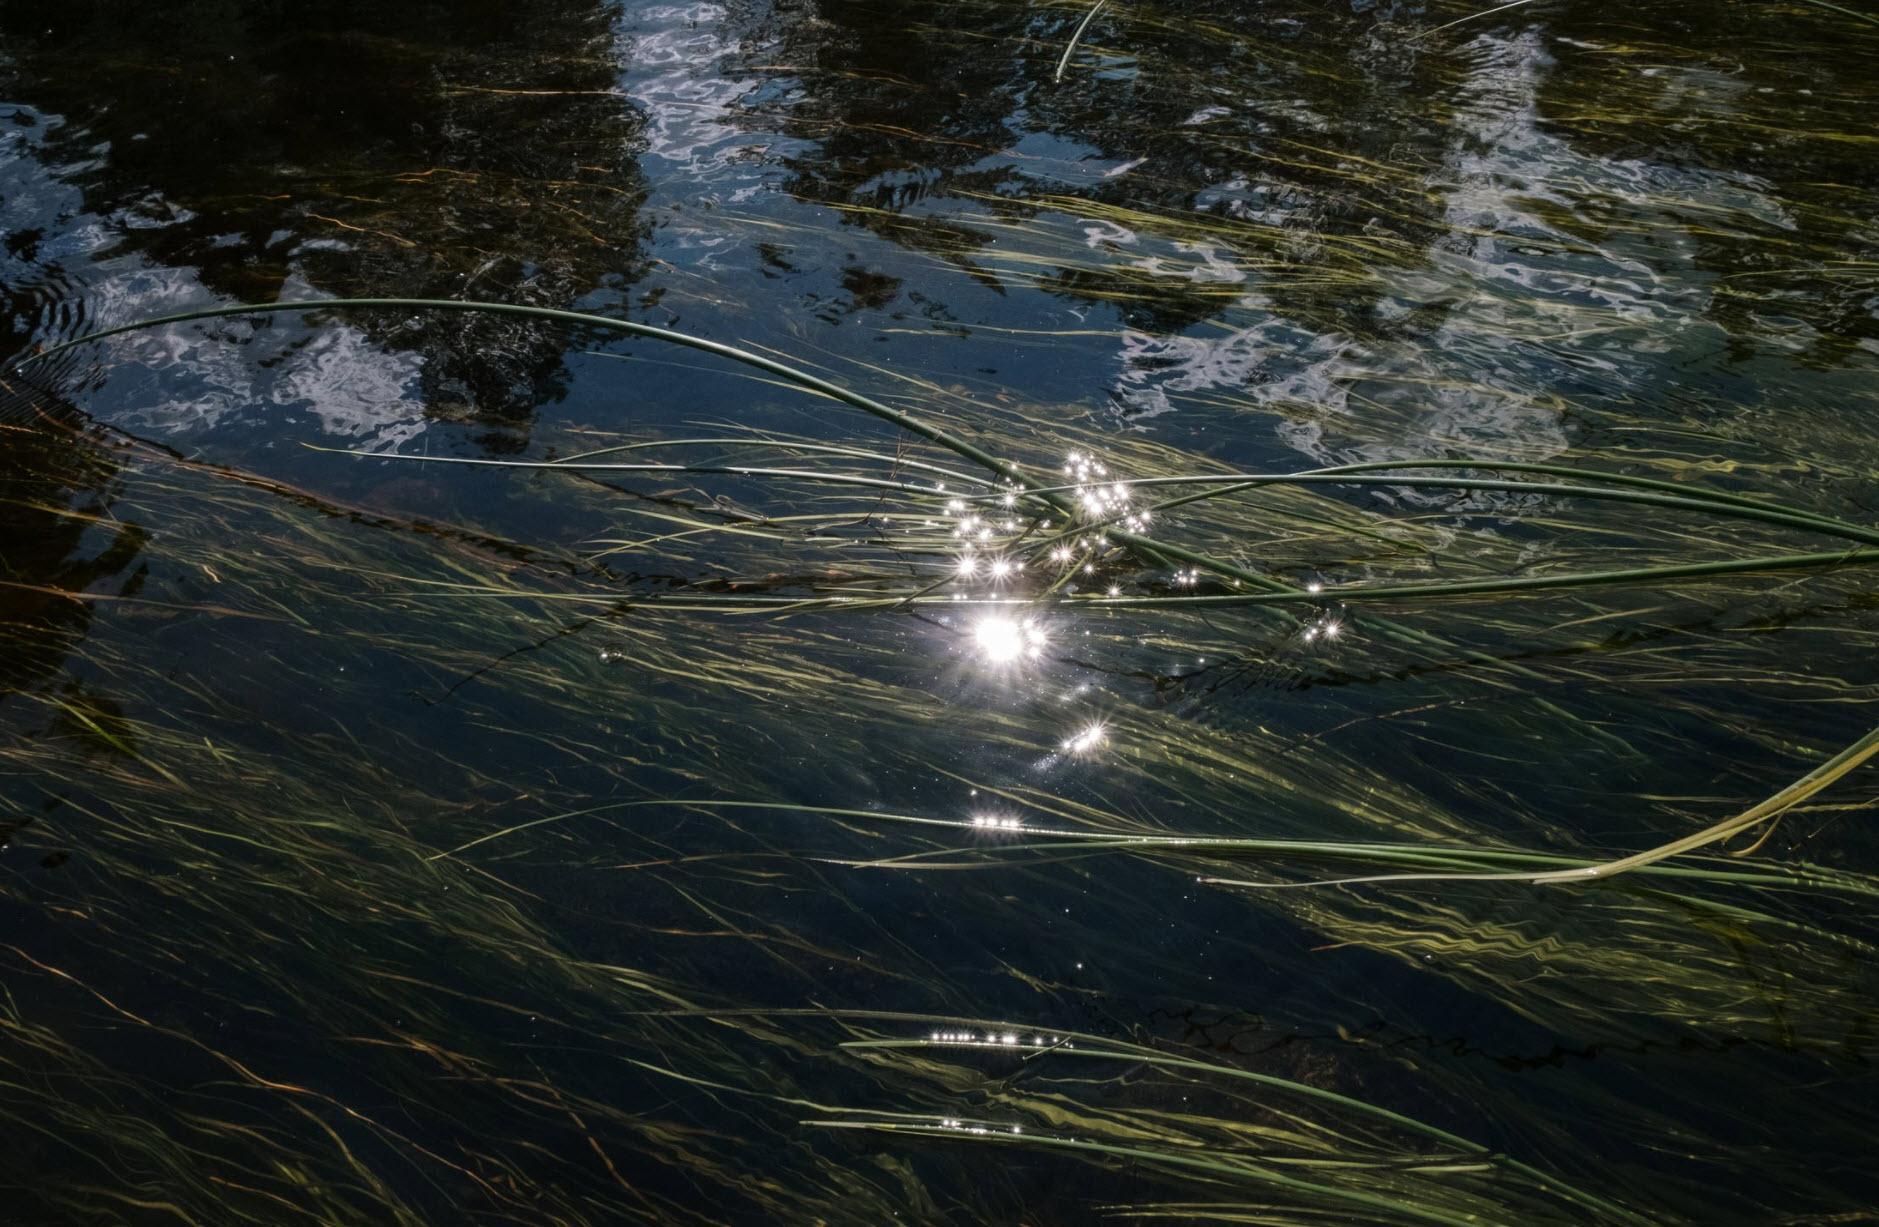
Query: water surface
pixel 375 850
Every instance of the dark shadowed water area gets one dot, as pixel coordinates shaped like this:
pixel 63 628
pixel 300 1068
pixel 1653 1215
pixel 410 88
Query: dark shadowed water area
pixel 390 840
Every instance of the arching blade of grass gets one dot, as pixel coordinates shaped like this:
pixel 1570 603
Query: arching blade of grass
pixel 1813 782
pixel 1077 37
pixel 803 379
pixel 1732 508
pixel 581 466
pixel 1650 496
pixel 1458 859
pixel 1150 549
pixel 1843 11
pixel 1681 489
pixel 758 441
pixel 1380 593
pixel 1499 8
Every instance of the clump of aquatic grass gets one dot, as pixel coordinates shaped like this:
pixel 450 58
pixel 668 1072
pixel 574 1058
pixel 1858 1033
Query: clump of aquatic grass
pixel 1322 1151
pixel 1048 499
pixel 449 980
pixel 1050 504
pixel 668 819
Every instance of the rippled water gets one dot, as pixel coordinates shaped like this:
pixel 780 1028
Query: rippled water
pixel 370 853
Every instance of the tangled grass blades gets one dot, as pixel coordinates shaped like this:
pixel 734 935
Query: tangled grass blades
pixel 1051 498
pixel 1181 811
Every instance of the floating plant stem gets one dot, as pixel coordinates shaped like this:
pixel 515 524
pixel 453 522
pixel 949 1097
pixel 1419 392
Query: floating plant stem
pixel 1380 593
pixel 867 404
pixel 1476 16
pixel 1217 1167
pixel 1233 483
pixel 584 466
pixel 1820 777
pixel 1076 37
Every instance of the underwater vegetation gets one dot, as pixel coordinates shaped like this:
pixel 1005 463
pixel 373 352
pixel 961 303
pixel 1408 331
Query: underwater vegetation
pixel 1313 676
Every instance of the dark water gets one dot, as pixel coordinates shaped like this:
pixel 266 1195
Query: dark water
pixel 371 852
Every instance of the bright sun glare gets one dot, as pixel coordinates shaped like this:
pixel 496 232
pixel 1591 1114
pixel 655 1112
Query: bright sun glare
pixel 1002 640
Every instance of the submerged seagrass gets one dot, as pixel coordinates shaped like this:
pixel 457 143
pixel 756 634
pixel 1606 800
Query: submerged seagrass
pixel 470 759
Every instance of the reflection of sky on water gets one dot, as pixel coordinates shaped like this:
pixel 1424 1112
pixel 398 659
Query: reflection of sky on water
pixel 1462 347
pixel 676 69
pixel 678 66
pixel 351 387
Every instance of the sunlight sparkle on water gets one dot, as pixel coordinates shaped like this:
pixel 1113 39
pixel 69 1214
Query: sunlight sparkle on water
pixel 1086 740
pixel 990 1038
pixel 1329 628
pixel 1003 641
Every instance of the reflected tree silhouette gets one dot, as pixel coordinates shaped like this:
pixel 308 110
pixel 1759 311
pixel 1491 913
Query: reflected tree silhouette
pixel 478 150
pixel 58 536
